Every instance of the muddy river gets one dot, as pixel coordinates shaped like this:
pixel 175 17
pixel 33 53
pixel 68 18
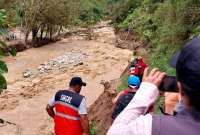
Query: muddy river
pixel 25 99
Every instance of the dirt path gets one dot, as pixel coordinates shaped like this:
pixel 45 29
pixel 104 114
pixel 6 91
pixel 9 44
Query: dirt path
pixel 25 99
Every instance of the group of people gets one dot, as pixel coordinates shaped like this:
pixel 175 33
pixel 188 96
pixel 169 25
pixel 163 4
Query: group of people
pixel 135 69
pixel 131 114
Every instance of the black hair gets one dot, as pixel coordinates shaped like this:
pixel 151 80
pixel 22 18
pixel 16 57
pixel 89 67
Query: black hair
pixel 194 97
pixel 71 84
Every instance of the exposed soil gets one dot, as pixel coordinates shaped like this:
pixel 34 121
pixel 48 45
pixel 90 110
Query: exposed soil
pixel 101 109
pixel 25 99
pixel 130 40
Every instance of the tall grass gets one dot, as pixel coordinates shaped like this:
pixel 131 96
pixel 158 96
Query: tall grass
pixel 124 83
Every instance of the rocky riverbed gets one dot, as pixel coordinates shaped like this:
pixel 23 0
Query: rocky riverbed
pixel 52 66
pixel 61 63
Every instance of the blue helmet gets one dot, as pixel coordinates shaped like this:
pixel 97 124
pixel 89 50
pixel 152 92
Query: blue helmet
pixel 133 81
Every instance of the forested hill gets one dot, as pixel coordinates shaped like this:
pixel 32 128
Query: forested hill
pixel 164 24
pixel 160 27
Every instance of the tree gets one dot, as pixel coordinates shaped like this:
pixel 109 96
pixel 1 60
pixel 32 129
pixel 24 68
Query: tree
pixel 3 67
pixel 92 11
pixel 45 18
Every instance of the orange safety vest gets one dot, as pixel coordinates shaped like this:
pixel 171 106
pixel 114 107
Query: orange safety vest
pixel 67 118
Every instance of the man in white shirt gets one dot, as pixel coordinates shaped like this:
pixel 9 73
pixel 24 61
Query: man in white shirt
pixel 133 121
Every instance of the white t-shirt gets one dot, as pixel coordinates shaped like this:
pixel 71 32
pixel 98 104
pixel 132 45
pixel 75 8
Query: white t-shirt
pixel 81 109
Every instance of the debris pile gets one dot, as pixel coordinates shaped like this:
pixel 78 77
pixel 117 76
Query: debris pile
pixel 60 63
pixel 27 73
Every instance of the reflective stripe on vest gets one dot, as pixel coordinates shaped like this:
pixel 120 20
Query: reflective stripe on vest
pixel 64 114
pixel 67 116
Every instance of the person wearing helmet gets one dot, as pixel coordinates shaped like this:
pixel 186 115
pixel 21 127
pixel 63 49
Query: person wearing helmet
pixel 137 66
pixel 133 84
pixel 133 120
pixel 125 96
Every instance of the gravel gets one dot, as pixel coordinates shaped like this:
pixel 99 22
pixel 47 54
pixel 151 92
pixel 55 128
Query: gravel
pixel 68 59
pixel 27 73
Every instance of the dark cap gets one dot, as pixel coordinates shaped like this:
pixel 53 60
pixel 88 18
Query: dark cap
pixel 187 64
pixel 77 81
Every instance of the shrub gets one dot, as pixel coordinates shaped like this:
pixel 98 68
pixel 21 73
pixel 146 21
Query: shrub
pixel 3 66
pixel 165 25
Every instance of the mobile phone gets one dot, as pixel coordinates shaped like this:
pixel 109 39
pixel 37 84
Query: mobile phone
pixel 169 84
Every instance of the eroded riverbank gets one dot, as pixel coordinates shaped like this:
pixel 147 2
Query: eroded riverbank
pixel 25 99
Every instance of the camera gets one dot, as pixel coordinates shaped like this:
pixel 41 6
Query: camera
pixel 169 84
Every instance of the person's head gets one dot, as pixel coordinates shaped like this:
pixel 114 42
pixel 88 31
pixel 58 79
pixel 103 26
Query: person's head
pixel 133 82
pixel 76 84
pixel 187 63
pixel 139 58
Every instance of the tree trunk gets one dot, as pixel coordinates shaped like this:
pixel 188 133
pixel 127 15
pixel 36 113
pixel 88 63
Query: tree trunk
pixel 34 36
pixel 47 31
pixel 26 36
pixel 60 30
pixel 51 33
pixel 41 33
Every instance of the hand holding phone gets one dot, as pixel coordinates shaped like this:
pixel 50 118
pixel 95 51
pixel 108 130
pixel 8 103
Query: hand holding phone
pixel 169 84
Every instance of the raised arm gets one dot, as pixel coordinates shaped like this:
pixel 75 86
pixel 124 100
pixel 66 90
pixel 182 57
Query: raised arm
pixel 131 121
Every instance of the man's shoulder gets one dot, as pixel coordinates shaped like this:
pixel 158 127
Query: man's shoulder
pixel 158 120
pixel 125 98
pixel 127 95
pixel 60 91
pixel 125 91
pixel 162 116
pixel 68 92
pixel 76 96
pixel 69 97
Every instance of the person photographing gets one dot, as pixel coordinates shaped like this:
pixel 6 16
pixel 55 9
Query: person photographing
pixel 133 121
